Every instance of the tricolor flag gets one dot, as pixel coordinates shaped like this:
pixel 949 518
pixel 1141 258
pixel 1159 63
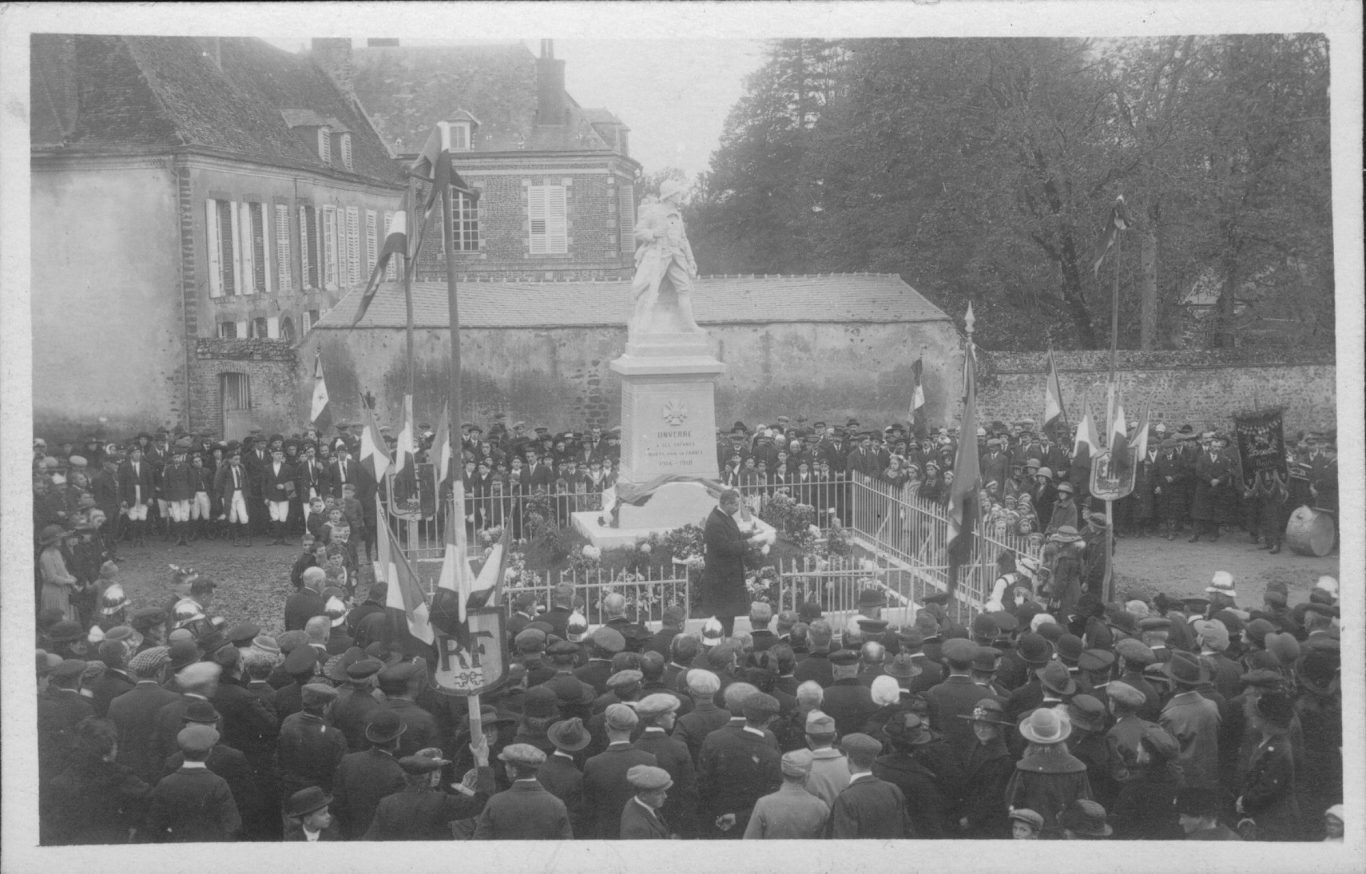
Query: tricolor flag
pixel 1082 448
pixel 1119 221
pixel 917 394
pixel 1121 458
pixel 442 452
pixel 1052 397
pixel 319 388
pixel 396 242
pixel 967 476
pixel 373 455
pixel 455 565
pixel 404 447
pixel 406 605
pixel 1141 439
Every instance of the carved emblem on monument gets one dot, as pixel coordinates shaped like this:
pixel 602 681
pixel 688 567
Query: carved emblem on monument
pixel 675 413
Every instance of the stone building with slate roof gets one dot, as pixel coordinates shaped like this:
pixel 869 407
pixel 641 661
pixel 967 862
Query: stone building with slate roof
pixel 556 181
pixel 196 204
pixel 834 345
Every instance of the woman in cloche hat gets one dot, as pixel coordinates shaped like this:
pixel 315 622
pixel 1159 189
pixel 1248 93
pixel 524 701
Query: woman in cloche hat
pixel 58 584
pixel 1047 778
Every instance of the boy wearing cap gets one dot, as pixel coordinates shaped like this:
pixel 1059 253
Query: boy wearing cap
pixel 642 816
pixel 792 812
pixel 192 804
pixel 310 818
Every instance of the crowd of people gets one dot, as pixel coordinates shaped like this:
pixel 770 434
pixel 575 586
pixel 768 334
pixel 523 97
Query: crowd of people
pixel 1169 719
pixel 1046 717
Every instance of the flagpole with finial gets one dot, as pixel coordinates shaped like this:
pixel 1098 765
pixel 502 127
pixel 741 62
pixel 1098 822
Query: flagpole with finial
pixel 1118 224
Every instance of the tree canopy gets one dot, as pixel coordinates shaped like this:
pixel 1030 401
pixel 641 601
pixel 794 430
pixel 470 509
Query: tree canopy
pixel 985 170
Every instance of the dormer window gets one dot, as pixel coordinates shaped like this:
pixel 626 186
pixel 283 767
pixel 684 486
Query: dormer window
pixel 462 127
pixel 460 136
pixel 346 150
pixel 325 144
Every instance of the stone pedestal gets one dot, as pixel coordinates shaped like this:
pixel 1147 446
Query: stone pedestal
pixel 668 427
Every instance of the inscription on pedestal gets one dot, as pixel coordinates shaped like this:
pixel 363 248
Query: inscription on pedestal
pixel 668 418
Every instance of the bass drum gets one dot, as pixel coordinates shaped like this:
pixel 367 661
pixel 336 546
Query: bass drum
pixel 1310 532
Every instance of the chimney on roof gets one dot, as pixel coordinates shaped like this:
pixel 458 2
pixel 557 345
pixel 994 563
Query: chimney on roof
pixel 333 54
pixel 550 97
pixel 212 49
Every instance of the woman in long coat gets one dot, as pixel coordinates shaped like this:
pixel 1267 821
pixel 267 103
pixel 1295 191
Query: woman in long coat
pixel 1047 777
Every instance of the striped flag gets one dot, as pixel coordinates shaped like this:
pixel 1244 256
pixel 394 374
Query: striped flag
pixel 488 586
pixel 373 455
pixel 967 474
pixel 442 451
pixel 1121 457
pixel 1082 448
pixel 472 591
pixel 1052 398
pixel 404 447
pixel 405 605
pixel 917 393
pixel 319 387
pixel 396 242
pixel 1119 221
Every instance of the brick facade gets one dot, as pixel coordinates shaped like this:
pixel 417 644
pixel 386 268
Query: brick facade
pixel 595 186
pixel 272 369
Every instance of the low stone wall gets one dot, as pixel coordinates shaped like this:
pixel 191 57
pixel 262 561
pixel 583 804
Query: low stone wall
pixel 1204 389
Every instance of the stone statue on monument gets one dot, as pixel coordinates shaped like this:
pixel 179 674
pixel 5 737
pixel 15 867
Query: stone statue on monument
pixel 661 292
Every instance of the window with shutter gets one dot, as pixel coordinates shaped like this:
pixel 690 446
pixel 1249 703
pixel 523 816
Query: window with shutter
pixel 273 327
pixel 547 213
pixel 325 144
pixel 283 274
pixel 352 246
pixel 307 319
pixel 227 245
pixel 626 216
pixel 392 267
pixel 213 246
pixel 346 150
pixel 464 222
pixel 329 235
pixel 371 242
pixel 309 246
pixel 227 330
pixel 254 252
pixel 235 390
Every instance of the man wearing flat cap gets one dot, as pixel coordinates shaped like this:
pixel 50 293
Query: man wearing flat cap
pixel 422 811
pixel 956 696
pixel 310 747
pixel 134 713
pixel 606 789
pixel 192 804
pixel 736 767
pixel 868 807
pixel 657 714
pixel 642 816
pixel 525 811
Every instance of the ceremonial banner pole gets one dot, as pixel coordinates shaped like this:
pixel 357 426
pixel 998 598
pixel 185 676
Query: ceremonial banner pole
pixel 453 402
pixel 1108 582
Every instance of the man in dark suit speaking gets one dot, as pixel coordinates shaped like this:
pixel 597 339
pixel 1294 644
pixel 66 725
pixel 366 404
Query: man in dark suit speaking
pixel 723 575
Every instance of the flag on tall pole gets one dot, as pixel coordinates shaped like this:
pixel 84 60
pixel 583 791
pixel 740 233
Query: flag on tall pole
pixel 488 586
pixel 455 563
pixel 405 605
pixel 396 242
pixel 967 475
pixel 442 451
pixel 1083 446
pixel 1052 398
pixel 404 448
pixel 1121 458
pixel 1141 438
pixel 373 455
pixel 917 392
pixel 1118 221
pixel 319 387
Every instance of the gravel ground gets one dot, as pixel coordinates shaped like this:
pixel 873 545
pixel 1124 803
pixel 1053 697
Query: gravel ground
pixel 254 582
